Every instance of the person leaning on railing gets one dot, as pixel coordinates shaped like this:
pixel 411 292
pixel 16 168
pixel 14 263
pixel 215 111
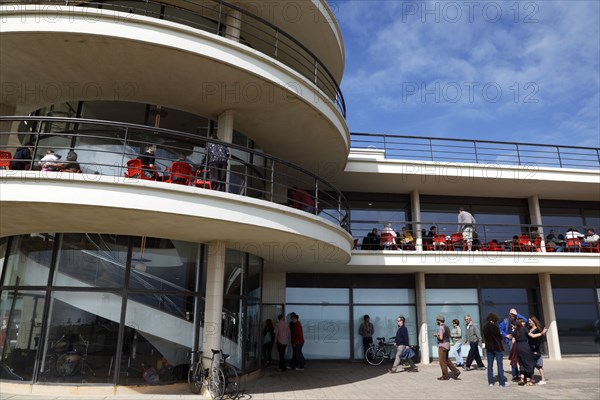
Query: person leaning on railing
pixel 554 242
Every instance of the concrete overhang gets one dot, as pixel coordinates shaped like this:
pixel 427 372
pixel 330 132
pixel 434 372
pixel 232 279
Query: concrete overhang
pixel 65 56
pixel 438 178
pixel 59 202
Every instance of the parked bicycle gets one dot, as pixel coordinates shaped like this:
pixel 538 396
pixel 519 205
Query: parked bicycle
pixel 220 379
pixel 376 353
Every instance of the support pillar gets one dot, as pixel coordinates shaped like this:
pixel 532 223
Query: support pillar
pixel 213 307
pixel 535 214
pixel 415 210
pixel 422 333
pixel 234 23
pixel 549 317
pixel 225 133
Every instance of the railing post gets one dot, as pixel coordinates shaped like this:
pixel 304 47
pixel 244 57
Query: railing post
pixel 431 149
pixel 219 19
pixel 124 149
pixel 385 146
pixel 273 180
pixel 276 42
pixel 518 154
pixel 340 219
pixel 475 148
pixel 316 196
pixel 559 160
pixel 316 70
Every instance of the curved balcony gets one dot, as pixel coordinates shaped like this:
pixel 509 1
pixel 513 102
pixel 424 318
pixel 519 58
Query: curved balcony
pixel 261 198
pixel 215 16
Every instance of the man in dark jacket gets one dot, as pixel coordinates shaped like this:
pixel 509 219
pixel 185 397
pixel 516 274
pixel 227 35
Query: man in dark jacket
pixel 401 343
pixel 492 339
pixel 217 156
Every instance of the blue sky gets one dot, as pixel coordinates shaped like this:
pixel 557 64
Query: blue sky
pixel 523 71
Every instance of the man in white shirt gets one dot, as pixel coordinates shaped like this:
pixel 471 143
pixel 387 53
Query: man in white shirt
pixel 465 225
pixel 590 239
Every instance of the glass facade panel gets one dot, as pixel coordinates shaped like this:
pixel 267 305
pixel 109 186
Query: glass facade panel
pixel 81 341
pixel 29 260
pixel 450 312
pixel 326 331
pixel 235 263
pixel 3 245
pixel 578 328
pixel 158 340
pixel 383 296
pixel 21 313
pixel 163 264
pixel 317 295
pixel 574 295
pixel 383 319
pixel 451 296
pixel 91 260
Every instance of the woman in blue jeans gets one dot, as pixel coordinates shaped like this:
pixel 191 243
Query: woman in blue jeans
pixel 492 338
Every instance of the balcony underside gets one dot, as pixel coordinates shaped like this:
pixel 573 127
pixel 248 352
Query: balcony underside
pixel 146 60
pixel 55 202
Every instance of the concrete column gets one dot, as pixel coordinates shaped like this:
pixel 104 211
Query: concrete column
pixel 535 214
pixel 233 24
pixel 415 210
pixel 225 133
pixel 422 333
pixel 213 307
pixel 549 316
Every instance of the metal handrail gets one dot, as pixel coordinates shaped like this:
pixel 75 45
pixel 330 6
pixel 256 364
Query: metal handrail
pixel 290 52
pixel 479 151
pixel 503 233
pixel 276 181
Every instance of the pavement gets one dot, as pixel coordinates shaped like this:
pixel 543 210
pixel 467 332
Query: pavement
pixel 569 378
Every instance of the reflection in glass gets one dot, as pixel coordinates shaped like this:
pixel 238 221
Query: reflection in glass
pixel 91 260
pixel 317 295
pixel 326 334
pixel 29 260
pixel 163 264
pixel 235 261
pixel 578 328
pixel 21 319
pixel 253 335
pixel 383 319
pixel 383 296
pixel 158 340
pixel 451 296
pixel 574 295
pixel 81 341
pixel 450 312
pixel 3 245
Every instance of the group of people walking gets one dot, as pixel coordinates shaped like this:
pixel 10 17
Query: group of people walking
pixel 282 334
pixel 523 336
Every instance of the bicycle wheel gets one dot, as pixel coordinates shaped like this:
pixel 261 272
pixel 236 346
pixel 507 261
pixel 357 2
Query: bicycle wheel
pixel 195 378
pixel 216 384
pixel 374 355
pixel 232 381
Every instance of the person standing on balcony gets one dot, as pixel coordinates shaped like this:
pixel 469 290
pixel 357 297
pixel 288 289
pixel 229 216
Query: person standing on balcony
pixel 466 223
pixel 216 158
pixel 388 237
pixel 590 239
pixel 22 158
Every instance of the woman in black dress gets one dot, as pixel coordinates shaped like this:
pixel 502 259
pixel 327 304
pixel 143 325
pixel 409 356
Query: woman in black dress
pixel 526 358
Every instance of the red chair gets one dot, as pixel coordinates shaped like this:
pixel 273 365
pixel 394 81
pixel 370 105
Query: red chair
pixel 457 241
pixel 524 243
pixel 180 173
pixel 494 246
pixel 355 246
pixel 202 180
pixel 135 170
pixel 573 245
pixel 439 242
pixel 537 244
pixel 5 158
pixel 388 240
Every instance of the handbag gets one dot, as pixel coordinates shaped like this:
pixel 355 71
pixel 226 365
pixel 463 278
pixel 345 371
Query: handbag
pixel 407 353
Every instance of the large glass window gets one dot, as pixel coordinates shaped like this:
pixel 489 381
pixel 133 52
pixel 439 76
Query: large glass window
pixel 29 260
pixel 317 295
pixel 452 304
pixel 81 340
pixel 577 319
pixel 326 330
pixel 21 319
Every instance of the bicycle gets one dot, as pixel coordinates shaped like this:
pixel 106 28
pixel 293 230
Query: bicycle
pixel 220 379
pixel 376 353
